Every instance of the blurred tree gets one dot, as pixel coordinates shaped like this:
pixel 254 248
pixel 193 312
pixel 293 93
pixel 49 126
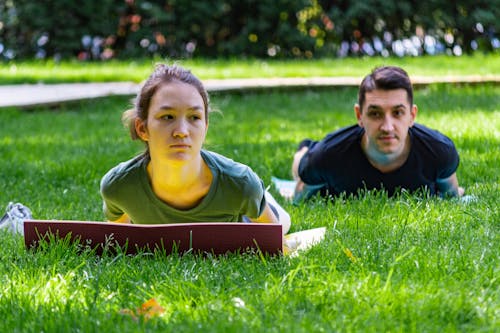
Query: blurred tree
pixel 465 20
pixel 103 29
pixel 57 27
pixel 216 28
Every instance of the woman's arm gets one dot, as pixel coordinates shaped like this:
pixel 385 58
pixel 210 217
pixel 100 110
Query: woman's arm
pixel 267 216
pixel 274 213
pixel 122 219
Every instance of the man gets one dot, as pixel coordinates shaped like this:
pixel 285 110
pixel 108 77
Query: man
pixel 386 150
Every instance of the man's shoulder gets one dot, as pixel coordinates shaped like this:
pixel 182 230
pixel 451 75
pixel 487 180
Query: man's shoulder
pixel 346 133
pixel 340 145
pixel 342 138
pixel 431 144
pixel 428 135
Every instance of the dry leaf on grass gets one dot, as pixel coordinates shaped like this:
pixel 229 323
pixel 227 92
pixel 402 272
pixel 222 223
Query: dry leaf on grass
pixel 147 310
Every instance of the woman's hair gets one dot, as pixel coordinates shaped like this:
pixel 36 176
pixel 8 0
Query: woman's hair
pixel 162 74
pixel 385 78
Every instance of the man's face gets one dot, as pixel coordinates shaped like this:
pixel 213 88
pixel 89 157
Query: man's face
pixel 386 117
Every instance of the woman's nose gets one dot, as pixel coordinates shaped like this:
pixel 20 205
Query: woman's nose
pixel 181 129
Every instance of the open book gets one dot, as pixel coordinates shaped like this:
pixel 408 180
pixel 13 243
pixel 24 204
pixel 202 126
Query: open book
pixel 216 238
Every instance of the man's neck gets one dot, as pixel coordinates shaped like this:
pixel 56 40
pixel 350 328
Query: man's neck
pixel 386 162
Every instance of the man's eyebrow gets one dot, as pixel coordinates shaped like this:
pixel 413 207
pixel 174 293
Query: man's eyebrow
pixel 378 107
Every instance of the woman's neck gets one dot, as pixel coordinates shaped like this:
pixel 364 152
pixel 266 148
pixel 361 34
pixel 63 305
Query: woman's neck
pixel 175 175
pixel 182 185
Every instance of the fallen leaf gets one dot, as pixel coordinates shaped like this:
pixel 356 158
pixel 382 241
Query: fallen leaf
pixel 147 310
pixel 349 254
pixel 150 309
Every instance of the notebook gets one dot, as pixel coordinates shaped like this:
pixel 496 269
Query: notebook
pixel 214 237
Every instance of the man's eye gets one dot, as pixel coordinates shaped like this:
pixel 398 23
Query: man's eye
pixel 399 113
pixel 195 117
pixel 374 114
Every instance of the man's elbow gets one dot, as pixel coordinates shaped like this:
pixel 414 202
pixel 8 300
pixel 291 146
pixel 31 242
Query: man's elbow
pixel 448 192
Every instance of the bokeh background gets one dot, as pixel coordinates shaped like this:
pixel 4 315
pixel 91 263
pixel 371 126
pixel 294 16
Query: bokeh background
pixel 283 29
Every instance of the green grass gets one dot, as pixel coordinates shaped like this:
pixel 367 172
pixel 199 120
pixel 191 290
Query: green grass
pixel 422 264
pixel 74 71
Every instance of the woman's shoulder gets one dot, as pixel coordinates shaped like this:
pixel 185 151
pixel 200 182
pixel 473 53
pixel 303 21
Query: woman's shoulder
pixel 224 163
pixel 229 170
pixel 124 171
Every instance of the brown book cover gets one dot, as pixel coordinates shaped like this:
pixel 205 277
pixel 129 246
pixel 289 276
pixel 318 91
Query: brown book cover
pixel 213 237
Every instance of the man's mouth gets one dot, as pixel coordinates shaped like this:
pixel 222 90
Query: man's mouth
pixel 386 137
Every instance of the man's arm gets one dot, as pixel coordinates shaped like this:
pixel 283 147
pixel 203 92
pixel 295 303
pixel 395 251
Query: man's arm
pixel 449 186
pixel 296 161
pixel 302 190
pixel 295 170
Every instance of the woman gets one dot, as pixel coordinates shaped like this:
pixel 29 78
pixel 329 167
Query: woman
pixel 175 180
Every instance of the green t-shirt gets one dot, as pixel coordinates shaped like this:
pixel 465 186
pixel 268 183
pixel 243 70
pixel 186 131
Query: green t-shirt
pixel 235 191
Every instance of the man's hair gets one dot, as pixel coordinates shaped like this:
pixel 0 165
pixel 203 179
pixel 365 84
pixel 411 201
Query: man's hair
pixel 385 78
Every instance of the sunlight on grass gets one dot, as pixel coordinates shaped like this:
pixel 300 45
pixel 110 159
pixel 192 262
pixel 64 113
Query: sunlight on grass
pixel 138 70
pixel 411 263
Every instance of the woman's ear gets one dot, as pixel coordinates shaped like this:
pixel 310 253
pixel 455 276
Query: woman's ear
pixel 141 129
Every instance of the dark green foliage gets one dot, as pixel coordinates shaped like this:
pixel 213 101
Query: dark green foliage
pixel 103 29
pixel 56 28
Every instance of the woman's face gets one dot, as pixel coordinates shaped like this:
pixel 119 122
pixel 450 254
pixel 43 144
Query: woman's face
pixel 176 125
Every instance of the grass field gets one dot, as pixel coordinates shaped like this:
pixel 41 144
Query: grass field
pixel 406 264
pixel 74 71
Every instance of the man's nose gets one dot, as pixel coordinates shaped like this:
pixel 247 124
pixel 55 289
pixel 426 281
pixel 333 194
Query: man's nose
pixel 387 124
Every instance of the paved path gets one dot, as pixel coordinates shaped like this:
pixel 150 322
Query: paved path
pixel 29 95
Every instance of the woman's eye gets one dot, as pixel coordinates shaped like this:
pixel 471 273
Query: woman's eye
pixel 168 116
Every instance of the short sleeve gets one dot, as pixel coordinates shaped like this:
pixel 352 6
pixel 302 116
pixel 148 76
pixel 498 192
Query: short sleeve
pixel 310 166
pixel 111 210
pixel 254 200
pixel 448 160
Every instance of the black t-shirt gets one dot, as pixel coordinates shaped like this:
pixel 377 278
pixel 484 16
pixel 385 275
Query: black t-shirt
pixel 339 163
